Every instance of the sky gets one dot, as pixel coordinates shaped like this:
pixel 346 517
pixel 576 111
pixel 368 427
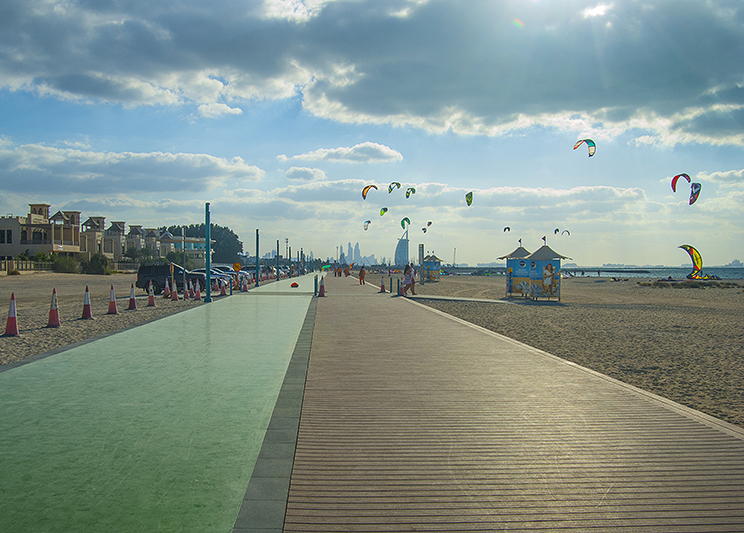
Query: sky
pixel 278 112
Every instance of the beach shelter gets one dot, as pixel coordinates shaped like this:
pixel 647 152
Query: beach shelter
pixel 432 267
pixel 545 273
pixel 517 272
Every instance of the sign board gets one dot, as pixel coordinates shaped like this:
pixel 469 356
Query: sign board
pixel 236 267
pixel 518 276
pixel 545 278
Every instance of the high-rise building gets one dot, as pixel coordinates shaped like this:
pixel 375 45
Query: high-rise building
pixel 401 250
pixel 349 254
pixel 357 254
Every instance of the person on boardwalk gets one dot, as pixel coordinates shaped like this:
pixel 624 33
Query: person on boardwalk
pixel 408 281
pixel 362 273
pixel 413 279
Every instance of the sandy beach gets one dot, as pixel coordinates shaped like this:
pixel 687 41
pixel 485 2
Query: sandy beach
pixel 684 344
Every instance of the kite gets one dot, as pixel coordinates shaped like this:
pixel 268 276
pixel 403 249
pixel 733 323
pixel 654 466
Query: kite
pixel 469 197
pixel 366 190
pixel 675 178
pixel 403 222
pixel 423 229
pixel 697 262
pixel 590 143
pixel 383 211
pixel 507 228
pixel 366 224
pixel 556 231
pixel 410 191
pixel 694 192
pixel 392 186
pixel 566 231
pixel 428 224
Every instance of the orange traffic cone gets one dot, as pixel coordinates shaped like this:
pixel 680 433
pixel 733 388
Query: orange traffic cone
pixel 244 287
pixel 401 289
pixel 132 301
pixel 174 291
pixel 112 303
pixel 11 326
pixel 166 290
pixel 223 289
pixel 150 296
pixel 382 285
pixel 197 291
pixel 191 288
pixel 87 315
pixel 54 312
pixel 321 290
pixel 186 289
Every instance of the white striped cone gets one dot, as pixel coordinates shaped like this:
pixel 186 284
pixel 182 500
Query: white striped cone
pixel 112 303
pixel 166 290
pixel 382 285
pixel 150 296
pixel 11 326
pixel 174 291
pixel 197 291
pixel 54 312
pixel 87 315
pixel 244 288
pixel 132 301
pixel 321 290
pixel 223 289
pixel 186 288
pixel 191 288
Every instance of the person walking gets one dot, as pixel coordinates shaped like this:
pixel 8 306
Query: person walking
pixel 362 273
pixel 408 280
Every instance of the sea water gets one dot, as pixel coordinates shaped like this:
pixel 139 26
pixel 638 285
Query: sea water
pixel 655 272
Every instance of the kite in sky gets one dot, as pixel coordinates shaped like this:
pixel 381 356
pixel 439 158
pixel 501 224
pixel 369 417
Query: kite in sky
pixel 405 221
pixel 694 192
pixel 697 262
pixel 383 211
pixel 565 231
pixel 469 197
pixel 675 178
pixel 423 229
pixel 590 144
pixel 366 224
pixel 507 228
pixel 556 231
pixel 410 191
pixel 366 190
pixel 428 224
pixel 392 186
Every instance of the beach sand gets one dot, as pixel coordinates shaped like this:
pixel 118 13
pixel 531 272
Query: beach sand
pixel 680 343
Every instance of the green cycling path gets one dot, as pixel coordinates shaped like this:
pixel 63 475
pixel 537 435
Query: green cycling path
pixel 155 428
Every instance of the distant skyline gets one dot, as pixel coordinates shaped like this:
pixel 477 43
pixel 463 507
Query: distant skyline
pixel 279 112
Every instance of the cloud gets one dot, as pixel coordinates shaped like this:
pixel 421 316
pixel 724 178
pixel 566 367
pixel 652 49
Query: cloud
pixel 367 152
pixel 215 110
pixel 305 174
pixel 727 178
pixel 36 167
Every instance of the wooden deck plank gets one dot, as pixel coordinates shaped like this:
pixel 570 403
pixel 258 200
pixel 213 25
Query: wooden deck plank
pixel 419 422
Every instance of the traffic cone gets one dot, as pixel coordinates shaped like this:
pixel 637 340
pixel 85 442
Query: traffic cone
pixel 382 285
pixel 112 303
pixel 174 291
pixel 223 289
pixel 54 312
pixel 401 289
pixel 132 301
pixel 321 290
pixel 244 287
pixel 166 290
pixel 191 288
pixel 87 315
pixel 11 326
pixel 197 291
pixel 150 296
pixel 186 289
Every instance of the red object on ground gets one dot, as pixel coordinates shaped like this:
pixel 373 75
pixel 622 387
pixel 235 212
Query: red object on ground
pixel 54 312
pixel 112 303
pixel 132 301
pixel 87 315
pixel 11 326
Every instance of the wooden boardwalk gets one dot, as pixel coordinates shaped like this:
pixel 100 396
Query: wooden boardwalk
pixel 414 421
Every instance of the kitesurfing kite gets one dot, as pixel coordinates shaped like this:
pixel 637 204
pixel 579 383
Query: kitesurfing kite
pixel 590 144
pixel 507 228
pixel 423 229
pixel 675 178
pixel 697 262
pixel 469 197
pixel 404 221
pixel 392 186
pixel 556 231
pixel 366 190
pixel 694 192
pixel 565 231
pixel 383 211
pixel 428 224
pixel 410 191
pixel 366 224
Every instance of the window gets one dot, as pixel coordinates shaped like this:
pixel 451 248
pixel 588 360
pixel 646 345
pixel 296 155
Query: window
pixel 2 236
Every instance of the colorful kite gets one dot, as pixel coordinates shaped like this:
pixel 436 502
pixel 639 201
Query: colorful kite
pixel 675 178
pixel 392 186
pixel 383 211
pixel 694 192
pixel 507 228
pixel 556 231
pixel 566 232
pixel 410 191
pixel 366 224
pixel 697 262
pixel 469 197
pixel 428 224
pixel 366 190
pixel 423 229
pixel 404 221
pixel 590 144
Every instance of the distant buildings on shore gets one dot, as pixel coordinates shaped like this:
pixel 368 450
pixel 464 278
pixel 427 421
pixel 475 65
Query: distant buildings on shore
pixel 63 234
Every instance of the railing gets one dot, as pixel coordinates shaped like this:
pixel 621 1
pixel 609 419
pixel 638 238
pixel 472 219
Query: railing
pixel 6 264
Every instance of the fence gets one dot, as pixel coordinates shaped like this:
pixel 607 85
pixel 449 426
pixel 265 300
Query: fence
pixel 10 264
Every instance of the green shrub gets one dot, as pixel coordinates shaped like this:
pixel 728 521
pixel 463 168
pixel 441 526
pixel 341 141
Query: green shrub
pixel 65 264
pixel 98 264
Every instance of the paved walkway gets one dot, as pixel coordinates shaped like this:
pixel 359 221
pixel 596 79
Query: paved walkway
pixel 415 421
pixel 156 428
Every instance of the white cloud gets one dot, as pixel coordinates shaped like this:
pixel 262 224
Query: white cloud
pixel 215 110
pixel 305 174
pixel 367 152
pixel 596 11
pixel 727 178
